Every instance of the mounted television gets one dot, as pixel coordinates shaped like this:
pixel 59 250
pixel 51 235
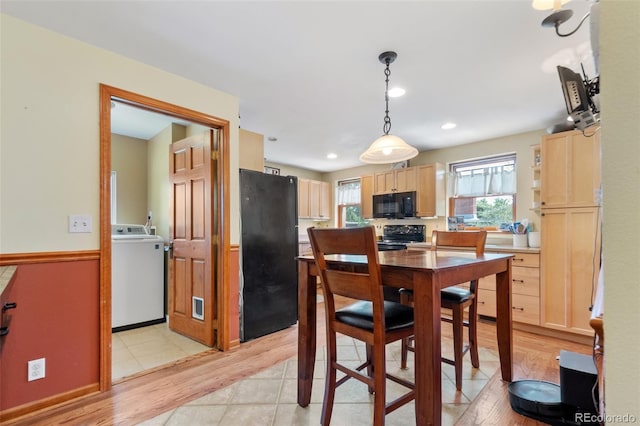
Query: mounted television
pixel 578 97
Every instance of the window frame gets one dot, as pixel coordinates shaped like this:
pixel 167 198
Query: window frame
pixel 477 164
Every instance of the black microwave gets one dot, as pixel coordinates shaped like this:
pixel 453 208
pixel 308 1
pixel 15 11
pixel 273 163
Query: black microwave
pixel 397 205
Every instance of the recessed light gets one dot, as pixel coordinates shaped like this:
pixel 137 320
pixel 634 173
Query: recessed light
pixel 272 139
pixel 396 92
pixel 332 156
pixel 448 126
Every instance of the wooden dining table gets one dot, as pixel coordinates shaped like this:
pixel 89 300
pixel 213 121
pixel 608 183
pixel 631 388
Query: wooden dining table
pixel 426 273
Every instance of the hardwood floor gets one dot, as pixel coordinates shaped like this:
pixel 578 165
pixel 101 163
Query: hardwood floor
pixel 152 393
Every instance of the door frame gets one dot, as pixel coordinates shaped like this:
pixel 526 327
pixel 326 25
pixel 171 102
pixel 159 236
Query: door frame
pixel 221 235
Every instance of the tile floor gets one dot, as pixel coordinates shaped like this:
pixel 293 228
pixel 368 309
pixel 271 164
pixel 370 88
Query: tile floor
pixel 148 347
pixel 269 398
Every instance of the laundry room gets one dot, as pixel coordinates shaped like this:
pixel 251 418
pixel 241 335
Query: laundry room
pixel 140 199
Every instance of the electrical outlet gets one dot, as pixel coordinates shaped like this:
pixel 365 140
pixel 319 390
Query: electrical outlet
pixel 35 369
pixel 80 223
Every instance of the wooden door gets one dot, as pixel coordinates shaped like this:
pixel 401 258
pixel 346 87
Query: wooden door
pixel 191 289
pixel 325 200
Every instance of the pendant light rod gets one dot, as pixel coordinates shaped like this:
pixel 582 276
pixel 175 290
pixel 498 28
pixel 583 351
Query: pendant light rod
pixel 387 58
pixel 388 148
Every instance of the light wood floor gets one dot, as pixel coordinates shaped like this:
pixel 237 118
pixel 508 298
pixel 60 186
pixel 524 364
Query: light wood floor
pixel 152 393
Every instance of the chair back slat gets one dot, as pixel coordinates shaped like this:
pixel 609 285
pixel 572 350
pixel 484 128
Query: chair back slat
pixel 469 239
pixel 363 284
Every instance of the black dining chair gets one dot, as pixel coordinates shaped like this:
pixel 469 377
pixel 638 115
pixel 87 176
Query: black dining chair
pixel 370 318
pixel 456 299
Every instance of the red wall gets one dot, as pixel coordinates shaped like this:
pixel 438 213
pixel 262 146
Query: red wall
pixel 57 318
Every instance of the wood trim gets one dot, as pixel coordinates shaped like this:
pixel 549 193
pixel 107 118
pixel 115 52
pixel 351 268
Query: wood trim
pixel 31 409
pixel 106 94
pixel 550 332
pixel 44 257
pixel 229 344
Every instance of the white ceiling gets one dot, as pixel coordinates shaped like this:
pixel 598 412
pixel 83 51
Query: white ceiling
pixel 307 72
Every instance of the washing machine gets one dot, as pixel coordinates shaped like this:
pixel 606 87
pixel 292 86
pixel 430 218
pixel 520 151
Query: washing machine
pixel 137 277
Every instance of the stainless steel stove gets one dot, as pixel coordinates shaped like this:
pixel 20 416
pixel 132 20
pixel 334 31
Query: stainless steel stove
pixel 396 237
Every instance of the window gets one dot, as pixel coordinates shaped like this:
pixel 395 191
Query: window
pixel 349 204
pixel 483 191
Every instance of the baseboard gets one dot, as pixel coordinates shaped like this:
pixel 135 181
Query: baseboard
pixel 31 408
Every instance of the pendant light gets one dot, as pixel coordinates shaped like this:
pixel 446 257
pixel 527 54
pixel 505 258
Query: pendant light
pixel 388 148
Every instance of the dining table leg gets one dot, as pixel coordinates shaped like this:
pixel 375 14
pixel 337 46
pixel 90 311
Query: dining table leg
pixel 504 327
pixel 428 371
pixel 306 331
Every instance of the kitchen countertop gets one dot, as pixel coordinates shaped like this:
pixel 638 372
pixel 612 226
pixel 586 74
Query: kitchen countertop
pixel 6 273
pixel 501 248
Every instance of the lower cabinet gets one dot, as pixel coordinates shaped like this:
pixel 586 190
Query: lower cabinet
pixel 525 290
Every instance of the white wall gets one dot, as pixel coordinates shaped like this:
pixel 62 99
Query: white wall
pixel 620 104
pixel 49 132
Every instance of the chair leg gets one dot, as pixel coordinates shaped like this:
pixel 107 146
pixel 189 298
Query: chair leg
pixel 405 299
pixel 371 366
pixel 330 381
pixel 458 336
pixel 380 377
pixel 473 333
pixel 403 353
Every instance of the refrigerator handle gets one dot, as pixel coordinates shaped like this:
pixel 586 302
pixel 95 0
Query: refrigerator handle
pixel 171 249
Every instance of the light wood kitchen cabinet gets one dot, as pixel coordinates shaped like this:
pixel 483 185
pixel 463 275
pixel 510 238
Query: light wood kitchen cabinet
pixel 398 180
pixel 570 170
pixel 570 265
pixel 430 190
pixel 251 147
pixel 525 290
pixel 366 197
pixel 314 199
pixel 303 197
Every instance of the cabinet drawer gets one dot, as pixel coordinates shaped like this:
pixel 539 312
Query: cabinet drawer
pixel 525 309
pixel 488 283
pixel 526 281
pixel 526 259
pixel 487 303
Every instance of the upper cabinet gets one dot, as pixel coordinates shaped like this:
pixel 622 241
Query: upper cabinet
pixel 427 180
pixel 366 197
pixel 399 180
pixel 251 146
pixel 570 170
pixel 314 199
pixel 430 190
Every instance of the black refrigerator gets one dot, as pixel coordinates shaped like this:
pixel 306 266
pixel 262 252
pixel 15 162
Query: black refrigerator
pixel 268 250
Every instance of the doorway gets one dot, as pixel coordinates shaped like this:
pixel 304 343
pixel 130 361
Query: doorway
pixel 216 212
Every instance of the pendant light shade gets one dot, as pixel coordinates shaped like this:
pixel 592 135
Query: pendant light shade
pixel 388 148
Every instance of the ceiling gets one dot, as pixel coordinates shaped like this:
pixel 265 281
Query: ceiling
pixel 307 72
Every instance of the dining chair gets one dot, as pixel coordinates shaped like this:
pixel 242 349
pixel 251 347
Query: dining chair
pixel 457 299
pixel 369 318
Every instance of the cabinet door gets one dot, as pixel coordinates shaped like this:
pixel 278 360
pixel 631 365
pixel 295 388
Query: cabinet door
pixel 570 170
pixel 570 256
pixel 430 190
pixel 406 179
pixel 303 198
pixel 315 189
pixel 385 182
pixel 366 197
pixel 325 201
